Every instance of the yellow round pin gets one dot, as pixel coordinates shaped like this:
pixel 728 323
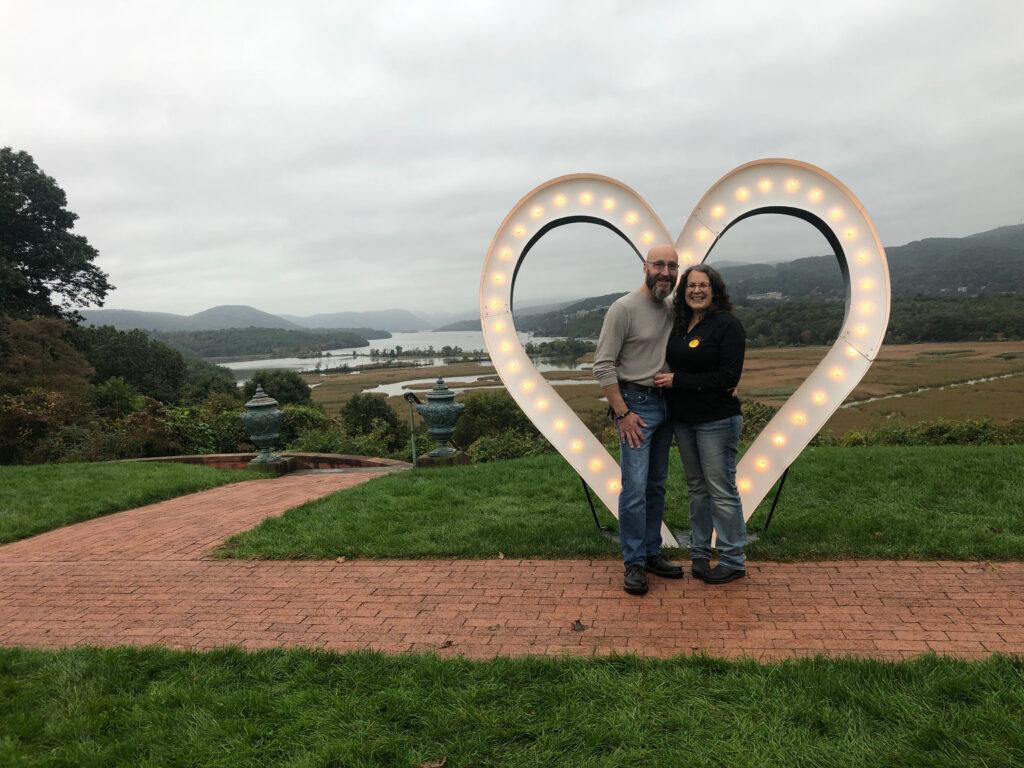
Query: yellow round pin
pixel 694 343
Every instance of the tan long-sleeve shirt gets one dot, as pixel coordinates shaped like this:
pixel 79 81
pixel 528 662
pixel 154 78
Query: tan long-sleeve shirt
pixel 633 340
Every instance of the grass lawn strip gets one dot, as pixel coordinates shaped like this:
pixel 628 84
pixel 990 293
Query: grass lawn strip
pixel 148 707
pixel 39 498
pixel 936 502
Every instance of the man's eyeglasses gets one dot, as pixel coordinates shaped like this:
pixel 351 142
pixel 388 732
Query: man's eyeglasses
pixel 672 266
pixel 697 286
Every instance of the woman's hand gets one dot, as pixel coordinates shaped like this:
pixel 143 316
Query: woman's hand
pixel 663 380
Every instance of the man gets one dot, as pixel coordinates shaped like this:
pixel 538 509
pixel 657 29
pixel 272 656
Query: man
pixel 630 351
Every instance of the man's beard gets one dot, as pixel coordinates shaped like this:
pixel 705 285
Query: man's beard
pixel 659 287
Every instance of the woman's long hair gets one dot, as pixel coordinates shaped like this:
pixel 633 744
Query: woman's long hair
pixel 720 301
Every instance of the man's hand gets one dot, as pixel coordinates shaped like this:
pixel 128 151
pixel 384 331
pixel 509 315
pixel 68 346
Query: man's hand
pixel 663 380
pixel 630 430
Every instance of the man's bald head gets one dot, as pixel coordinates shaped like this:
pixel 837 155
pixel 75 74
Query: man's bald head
pixel 661 268
pixel 662 252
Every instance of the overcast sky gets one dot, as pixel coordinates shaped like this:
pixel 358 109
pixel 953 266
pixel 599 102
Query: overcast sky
pixel 313 157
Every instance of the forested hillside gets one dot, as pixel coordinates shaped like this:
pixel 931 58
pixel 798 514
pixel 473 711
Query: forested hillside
pixel 275 342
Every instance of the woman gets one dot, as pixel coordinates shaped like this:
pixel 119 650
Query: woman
pixel 705 355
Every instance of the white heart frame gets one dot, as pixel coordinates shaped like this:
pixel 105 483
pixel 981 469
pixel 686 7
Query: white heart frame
pixel 771 185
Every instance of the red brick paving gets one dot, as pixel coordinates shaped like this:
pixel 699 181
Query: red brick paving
pixel 140 577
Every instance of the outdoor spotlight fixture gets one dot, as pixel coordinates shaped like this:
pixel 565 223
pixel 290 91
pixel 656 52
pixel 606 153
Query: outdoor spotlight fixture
pixel 778 186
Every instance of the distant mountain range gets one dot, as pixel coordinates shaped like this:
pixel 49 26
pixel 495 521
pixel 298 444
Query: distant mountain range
pixel 242 316
pixel 985 263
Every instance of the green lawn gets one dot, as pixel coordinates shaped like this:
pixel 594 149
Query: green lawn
pixel 154 707
pixel 42 497
pixel 951 502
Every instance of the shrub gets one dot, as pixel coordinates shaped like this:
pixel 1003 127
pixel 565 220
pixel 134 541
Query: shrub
pixel 507 445
pixel 152 368
pixel 28 418
pixel 489 414
pixel 115 398
pixel 302 418
pixel 203 379
pixel 287 387
pixel 335 439
pixel 362 412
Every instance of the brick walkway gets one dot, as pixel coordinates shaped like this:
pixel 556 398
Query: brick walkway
pixel 140 577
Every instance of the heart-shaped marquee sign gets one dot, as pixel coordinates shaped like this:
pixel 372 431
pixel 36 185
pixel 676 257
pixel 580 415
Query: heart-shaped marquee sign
pixel 764 186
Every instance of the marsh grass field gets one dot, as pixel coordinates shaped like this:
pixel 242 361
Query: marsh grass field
pixel 770 375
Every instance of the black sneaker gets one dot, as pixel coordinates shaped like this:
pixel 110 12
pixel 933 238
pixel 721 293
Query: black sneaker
pixel 660 565
pixel 635 580
pixel 721 574
pixel 699 567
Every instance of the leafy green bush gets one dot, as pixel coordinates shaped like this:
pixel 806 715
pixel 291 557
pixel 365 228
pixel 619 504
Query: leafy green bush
pixel 490 413
pixel 287 387
pixel 507 445
pixel 302 418
pixel 152 368
pixel 336 439
pixel 361 415
pixel 115 398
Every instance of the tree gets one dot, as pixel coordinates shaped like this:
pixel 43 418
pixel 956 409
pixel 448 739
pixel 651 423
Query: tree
pixel 154 369
pixel 44 268
pixel 285 386
pixel 363 413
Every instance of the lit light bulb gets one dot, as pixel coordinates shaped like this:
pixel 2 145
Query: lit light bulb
pixel 518 230
pixel 744 485
pixel 505 254
pixel 837 373
pixel 717 212
pixel 849 233
pixel 851 352
pixel 765 185
pixel 647 237
pixel 799 419
pixel 820 397
pixel 537 212
pixel 687 256
pixel 559 201
pixel 498 278
pixel 863 257
pixel 614 486
pixel 703 234
pixel 513 366
pixel 779 440
pixel 761 464
pixel 586 198
pixel 632 218
pixel 595 465
pixel 559 425
pixel 865 307
pixel 608 203
pixel 576 446
pixel 506 346
pixel 836 213
pixel 792 185
pixel 495 303
pixel 541 405
pixel 742 194
pixel 865 284
pixel 816 195
pixel 860 330
pixel 528 385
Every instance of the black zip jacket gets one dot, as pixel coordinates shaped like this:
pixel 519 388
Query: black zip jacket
pixel 706 363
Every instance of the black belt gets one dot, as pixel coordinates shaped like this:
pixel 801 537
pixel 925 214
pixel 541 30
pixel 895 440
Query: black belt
pixel 640 388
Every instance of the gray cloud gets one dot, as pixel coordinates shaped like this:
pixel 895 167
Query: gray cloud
pixel 330 156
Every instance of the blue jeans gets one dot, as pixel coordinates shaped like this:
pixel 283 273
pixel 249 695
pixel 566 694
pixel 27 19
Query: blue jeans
pixel 644 470
pixel 708 452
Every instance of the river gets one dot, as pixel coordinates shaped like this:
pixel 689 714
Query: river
pixel 357 357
